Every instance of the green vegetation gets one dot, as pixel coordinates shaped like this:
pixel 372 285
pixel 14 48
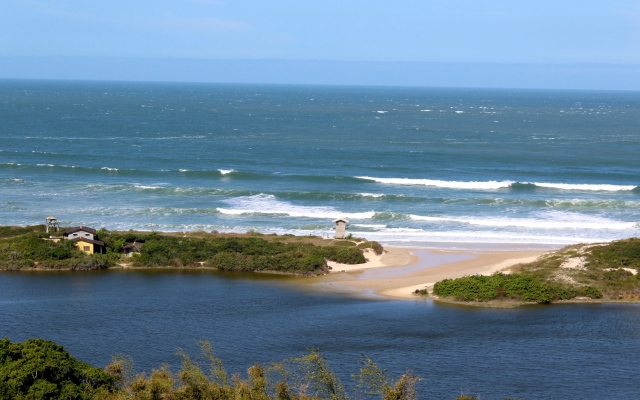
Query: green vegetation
pixel 603 271
pixel 26 247
pixel 518 287
pixel 421 292
pixel 40 369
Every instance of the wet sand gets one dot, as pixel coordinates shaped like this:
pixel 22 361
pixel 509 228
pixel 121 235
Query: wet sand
pixel 399 271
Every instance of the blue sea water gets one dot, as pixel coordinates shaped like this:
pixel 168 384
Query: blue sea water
pixel 406 166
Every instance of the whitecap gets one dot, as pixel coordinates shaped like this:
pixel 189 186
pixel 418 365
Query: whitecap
pixel 488 185
pixel 548 220
pixel 269 204
pixel 586 186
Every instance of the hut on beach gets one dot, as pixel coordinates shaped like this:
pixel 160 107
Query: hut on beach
pixel 341 228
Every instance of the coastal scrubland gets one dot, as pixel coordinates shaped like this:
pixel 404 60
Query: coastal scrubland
pixel 596 272
pixel 579 273
pixel 41 369
pixel 29 247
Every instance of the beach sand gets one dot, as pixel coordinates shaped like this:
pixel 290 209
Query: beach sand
pixel 400 271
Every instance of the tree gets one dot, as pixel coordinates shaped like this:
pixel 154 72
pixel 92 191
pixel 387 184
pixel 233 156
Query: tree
pixel 42 369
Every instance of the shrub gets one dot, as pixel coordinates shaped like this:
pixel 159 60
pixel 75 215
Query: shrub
pixel 377 247
pixel 514 286
pixel 590 291
pixel 41 369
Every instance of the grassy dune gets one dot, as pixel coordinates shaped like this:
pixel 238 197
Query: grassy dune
pixel 597 272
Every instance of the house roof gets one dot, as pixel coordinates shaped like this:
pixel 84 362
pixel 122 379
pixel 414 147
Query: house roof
pixel 81 239
pixel 134 245
pixel 341 219
pixel 78 229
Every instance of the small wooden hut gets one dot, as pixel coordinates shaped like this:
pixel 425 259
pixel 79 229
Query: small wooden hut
pixel 341 228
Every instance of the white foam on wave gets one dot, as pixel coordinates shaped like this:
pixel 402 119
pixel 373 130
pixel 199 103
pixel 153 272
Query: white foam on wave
pixel 147 187
pixel 547 220
pixel 493 185
pixel 373 226
pixel 109 168
pixel 45 165
pixel 371 195
pixel 585 186
pixel 226 171
pixel 268 204
pixel 382 112
pixel 488 185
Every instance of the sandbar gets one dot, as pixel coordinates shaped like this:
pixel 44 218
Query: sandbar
pixel 398 272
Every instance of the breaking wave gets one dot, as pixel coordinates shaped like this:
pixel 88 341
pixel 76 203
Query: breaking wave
pixel 495 185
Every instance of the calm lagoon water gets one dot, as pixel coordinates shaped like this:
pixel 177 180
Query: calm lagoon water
pixel 538 352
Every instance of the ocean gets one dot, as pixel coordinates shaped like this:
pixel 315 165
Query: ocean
pixel 427 167
pixel 424 167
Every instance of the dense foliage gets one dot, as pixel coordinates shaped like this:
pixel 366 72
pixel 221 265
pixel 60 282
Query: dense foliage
pixel 41 369
pixel 514 286
pixel 245 253
pixel 26 247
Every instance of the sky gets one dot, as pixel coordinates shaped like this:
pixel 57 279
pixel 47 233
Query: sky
pixel 183 39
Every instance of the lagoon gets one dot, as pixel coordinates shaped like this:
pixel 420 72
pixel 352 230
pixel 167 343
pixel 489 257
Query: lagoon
pixel 535 352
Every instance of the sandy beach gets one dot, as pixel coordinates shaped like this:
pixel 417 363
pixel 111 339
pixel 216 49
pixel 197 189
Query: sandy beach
pixel 398 272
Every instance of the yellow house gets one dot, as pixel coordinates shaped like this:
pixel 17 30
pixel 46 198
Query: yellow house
pixel 89 246
pixel 84 237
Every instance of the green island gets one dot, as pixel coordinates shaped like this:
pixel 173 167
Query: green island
pixel 31 247
pixel 39 369
pixel 578 273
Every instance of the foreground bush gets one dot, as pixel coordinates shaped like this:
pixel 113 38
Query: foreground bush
pixel 41 369
pixel 302 378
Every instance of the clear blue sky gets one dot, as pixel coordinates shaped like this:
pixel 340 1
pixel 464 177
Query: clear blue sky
pixel 549 32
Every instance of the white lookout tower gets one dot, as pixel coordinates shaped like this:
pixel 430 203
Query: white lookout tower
pixel 51 223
